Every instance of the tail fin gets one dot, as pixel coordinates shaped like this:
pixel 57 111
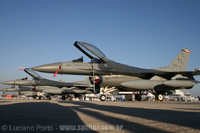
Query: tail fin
pixel 180 62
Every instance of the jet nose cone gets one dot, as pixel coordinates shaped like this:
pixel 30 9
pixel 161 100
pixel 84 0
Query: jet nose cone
pixel 8 82
pixel 48 68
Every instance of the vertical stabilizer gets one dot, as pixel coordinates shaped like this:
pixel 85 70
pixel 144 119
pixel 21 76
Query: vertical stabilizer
pixel 181 61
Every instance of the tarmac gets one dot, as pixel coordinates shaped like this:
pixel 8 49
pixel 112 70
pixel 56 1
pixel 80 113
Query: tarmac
pixel 93 116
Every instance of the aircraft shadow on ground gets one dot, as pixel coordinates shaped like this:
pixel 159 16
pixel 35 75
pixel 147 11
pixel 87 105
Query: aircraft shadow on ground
pixel 38 114
pixel 186 119
pixel 4 101
pixel 44 113
pixel 189 109
pixel 51 114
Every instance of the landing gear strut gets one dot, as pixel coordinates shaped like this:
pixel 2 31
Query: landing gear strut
pixel 69 98
pixel 158 95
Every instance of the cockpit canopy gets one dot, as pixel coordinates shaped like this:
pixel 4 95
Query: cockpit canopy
pixel 32 73
pixel 91 51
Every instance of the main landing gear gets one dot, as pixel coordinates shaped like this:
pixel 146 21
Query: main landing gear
pixel 138 95
pixel 68 97
pixel 103 97
pixel 159 97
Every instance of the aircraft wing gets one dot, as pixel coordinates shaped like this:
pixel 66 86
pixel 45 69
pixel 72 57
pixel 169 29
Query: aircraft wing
pixel 169 75
pixel 195 73
pixel 76 91
pixel 184 73
pixel 46 82
pixel 148 74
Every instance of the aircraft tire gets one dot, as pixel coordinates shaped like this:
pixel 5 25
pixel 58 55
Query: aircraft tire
pixel 49 97
pixel 63 98
pixel 138 97
pixel 159 97
pixel 103 98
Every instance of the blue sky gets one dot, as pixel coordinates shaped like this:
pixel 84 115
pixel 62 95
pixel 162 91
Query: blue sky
pixel 142 33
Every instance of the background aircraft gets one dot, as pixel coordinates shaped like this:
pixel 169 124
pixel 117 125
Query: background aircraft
pixel 22 90
pixel 158 81
pixel 50 87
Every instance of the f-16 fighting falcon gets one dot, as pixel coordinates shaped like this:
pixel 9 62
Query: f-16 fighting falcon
pixel 50 87
pixel 22 90
pixel 157 81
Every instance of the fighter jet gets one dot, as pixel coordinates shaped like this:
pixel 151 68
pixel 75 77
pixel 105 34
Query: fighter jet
pixel 50 87
pixel 39 81
pixel 16 89
pixel 22 90
pixel 157 81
